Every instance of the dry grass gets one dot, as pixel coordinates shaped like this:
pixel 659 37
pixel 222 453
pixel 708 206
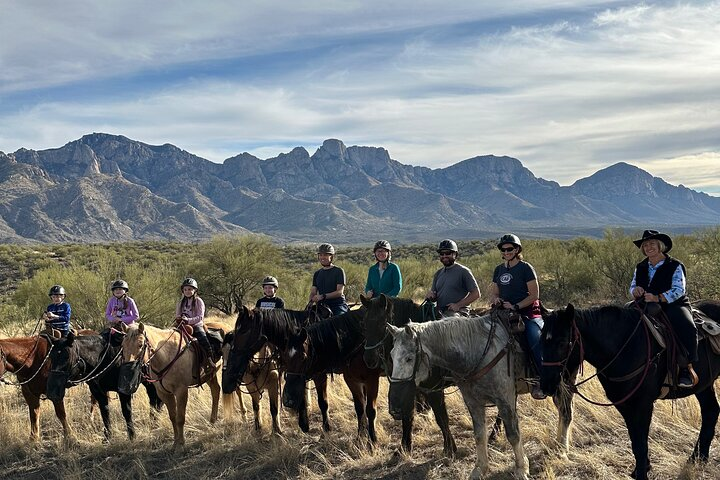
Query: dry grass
pixel 231 449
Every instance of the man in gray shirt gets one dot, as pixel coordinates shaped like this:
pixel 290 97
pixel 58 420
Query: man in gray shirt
pixel 454 286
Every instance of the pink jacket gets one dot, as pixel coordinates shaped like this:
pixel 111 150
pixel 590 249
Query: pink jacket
pixel 193 310
pixel 121 309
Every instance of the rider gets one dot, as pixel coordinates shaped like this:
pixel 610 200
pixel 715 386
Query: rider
pixel 269 300
pixel 384 276
pixel 328 285
pixel 120 307
pixel 191 311
pixel 515 287
pixel 57 314
pixel 661 279
pixel 453 287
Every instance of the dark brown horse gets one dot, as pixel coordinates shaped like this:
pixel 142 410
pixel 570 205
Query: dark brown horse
pixel 253 329
pixel 28 358
pixel 333 345
pixel 632 368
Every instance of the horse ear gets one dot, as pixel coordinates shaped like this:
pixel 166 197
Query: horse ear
pixel 303 335
pixel 70 339
pixel 409 330
pixel 364 300
pixel 394 331
pixel 570 309
pixel 141 327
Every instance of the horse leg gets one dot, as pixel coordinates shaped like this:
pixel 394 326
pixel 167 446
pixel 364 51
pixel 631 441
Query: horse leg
pixel 321 389
pixel 407 426
pixel 356 389
pixel 256 408
pixel 126 407
pixel 103 405
pixel 476 407
pixel 495 429
pixel 637 419
pixel 33 404
pixel 273 389
pixel 371 393
pixel 181 399
pixel 171 404
pixel 507 409
pixel 242 409
pixel 563 402
pixel 61 415
pixel 436 399
pixel 709 411
pixel 215 393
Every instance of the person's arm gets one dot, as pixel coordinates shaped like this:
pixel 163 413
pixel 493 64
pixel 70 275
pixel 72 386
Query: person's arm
pixel 495 294
pixel 533 294
pixel 280 303
pixel 432 293
pixel 635 291
pixel 64 313
pixel 469 298
pixel 198 312
pixel 340 289
pixel 396 281
pixel 131 312
pixel 678 287
pixel 109 311
pixel 368 284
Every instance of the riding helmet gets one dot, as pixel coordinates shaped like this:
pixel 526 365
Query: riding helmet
pixel 189 282
pixel 120 284
pixel 382 244
pixel 270 280
pixel 447 244
pixel 510 238
pixel 56 290
pixel 326 248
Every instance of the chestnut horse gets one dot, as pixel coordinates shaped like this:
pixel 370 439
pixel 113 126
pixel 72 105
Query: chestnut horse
pixel 173 366
pixel 28 358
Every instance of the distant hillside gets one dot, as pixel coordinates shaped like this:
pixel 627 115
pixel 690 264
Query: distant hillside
pixel 110 188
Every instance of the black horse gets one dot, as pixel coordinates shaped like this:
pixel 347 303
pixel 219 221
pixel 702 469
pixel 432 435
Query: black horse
pixel 382 311
pixel 254 328
pixel 631 367
pixel 333 345
pixel 94 359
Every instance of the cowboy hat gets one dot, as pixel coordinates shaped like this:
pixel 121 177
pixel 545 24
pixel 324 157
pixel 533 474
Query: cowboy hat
pixel 654 235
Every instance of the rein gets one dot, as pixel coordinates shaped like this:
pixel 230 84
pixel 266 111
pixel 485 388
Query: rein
pixel 47 357
pixel 644 369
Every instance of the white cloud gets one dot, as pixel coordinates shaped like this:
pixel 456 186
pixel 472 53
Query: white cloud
pixel 567 92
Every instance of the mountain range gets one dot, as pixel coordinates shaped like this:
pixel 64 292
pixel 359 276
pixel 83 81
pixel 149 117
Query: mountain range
pixel 105 187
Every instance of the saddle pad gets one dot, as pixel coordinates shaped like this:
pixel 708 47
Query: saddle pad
pixel 656 333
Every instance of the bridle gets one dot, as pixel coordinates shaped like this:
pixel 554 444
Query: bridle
pixel 577 340
pixel 419 356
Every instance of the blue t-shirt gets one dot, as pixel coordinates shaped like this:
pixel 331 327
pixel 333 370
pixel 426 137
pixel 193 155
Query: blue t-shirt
pixel 512 282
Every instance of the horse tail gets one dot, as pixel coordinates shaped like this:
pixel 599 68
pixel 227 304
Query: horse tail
pixel 228 405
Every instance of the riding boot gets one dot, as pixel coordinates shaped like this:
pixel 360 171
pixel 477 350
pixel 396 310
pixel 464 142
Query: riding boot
pixel 687 378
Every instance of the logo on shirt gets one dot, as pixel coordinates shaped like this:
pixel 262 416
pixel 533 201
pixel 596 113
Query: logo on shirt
pixel 505 278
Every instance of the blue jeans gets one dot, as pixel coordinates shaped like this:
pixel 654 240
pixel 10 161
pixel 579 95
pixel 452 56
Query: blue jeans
pixel 533 328
pixel 338 309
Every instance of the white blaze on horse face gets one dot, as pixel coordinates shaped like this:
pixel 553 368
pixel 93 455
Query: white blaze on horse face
pixel 403 356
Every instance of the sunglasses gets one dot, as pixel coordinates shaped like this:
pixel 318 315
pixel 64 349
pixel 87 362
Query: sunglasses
pixel 508 249
pixel 446 254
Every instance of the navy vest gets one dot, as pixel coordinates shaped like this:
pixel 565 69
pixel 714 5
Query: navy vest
pixel 662 280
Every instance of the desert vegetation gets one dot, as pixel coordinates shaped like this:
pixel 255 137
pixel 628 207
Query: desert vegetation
pixel 229 269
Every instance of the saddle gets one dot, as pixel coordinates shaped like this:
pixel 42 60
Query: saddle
pixel 515 324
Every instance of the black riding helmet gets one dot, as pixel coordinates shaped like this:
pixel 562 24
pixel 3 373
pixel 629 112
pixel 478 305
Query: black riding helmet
pixel 326 248
pixel 189 282
pixel 120 284
pixel 447 244
pixel 512 239
pixel 56 290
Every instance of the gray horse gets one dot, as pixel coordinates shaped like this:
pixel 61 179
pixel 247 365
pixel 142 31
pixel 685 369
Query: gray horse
pixel 480 353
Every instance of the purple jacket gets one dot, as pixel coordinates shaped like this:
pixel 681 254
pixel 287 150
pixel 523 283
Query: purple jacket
pixel 121 309
pixel 192 309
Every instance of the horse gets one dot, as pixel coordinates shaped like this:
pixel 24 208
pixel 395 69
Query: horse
pixel 479 354
pixel 255 328
pixel 262 375
pixel 95 360
pixel 333 345
pixel 631 367
pixel 28 358
pixel 174 367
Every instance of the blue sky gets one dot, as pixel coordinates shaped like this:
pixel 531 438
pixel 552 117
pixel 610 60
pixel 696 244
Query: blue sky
pixel 567 87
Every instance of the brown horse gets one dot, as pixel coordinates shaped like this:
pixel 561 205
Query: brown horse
pixel 28 358
pixel 174 367
pixel 262 375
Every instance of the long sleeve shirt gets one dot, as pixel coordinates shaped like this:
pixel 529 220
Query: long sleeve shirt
pixel 192 309
pixel 123 309
pixel 63 311
pixel 678 282
pixel 390 283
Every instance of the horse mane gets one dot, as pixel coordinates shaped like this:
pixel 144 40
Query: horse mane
pixel 614 315
pixel 327 335
pixel 403 310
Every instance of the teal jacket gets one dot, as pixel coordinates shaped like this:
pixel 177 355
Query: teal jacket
pixel 390 284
